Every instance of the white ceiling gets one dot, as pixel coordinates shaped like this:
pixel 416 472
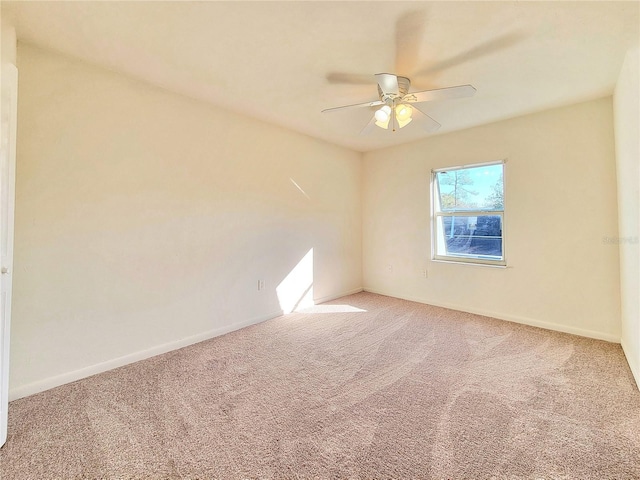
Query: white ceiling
pixel 274 60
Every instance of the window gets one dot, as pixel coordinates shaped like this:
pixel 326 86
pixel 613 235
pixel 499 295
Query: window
pixel 468 214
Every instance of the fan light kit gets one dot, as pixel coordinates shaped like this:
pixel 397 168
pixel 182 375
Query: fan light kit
pixel 402 114
pixel 398 107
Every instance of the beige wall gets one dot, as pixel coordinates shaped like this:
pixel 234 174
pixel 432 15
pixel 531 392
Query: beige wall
pixel 144 221
pixel 560 201
pixel 627 127
pixel 8 40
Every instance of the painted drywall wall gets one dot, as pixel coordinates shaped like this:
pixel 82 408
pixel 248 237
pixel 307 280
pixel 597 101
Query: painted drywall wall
pixel 7 39
pixel 560 211
pixel 145 220
pixel 627 139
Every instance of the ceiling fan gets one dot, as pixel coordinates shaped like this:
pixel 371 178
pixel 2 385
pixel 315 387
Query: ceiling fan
pixel 398 105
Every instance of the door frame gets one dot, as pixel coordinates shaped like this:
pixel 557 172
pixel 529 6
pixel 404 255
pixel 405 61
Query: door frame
pixel 8 113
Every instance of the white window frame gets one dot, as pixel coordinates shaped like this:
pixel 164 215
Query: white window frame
pixel 437 214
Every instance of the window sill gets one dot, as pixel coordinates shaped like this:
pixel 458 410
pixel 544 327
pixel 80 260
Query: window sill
pixel 470 263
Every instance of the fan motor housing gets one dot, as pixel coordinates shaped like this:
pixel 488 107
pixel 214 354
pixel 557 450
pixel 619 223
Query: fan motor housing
pixel 403 87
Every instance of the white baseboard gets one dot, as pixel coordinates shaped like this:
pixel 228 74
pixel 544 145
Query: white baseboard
pixel 633 363
pixel 68 377
pixel 56 381
pixel 328 298
pixel 582 332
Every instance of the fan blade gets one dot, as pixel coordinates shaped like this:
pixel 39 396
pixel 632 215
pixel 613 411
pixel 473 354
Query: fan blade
pixel 460 91
pixel 369 127
pixel 409 34
pixel 349 78
pixel 485 48
pixel 388 83
pixel 427 123
pixel 355 105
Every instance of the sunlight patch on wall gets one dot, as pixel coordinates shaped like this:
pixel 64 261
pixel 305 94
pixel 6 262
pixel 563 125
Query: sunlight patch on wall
pixel 299 188
pixel 296 290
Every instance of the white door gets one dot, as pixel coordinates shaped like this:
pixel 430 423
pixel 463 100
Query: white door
pixel 8 111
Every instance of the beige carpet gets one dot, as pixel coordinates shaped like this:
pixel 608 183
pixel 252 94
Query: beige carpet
pixel 397 390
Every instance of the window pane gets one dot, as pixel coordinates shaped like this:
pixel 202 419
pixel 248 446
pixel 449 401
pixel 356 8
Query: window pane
pixel 473 236
pixel 476 188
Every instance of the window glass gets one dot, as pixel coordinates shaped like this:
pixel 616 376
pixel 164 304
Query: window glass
pixel 468 216
pixel 476 188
